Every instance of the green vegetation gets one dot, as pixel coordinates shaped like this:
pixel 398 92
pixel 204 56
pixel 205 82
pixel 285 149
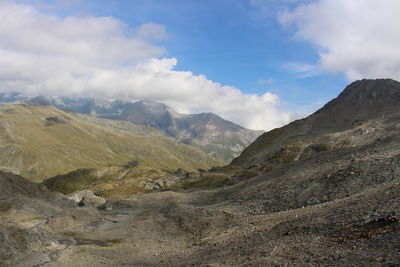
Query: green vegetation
pixel 42 142
pixel 322 147
pixel 342 144
pixel 216 177
pixel 71 182
pixel 291 152
pixel 54 120
pixel 206 180
pixel 264 142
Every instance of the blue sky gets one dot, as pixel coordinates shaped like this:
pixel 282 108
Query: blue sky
pixel 232 42
pixel 260 63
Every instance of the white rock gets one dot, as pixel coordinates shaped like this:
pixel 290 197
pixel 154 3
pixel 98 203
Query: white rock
pixel 87 197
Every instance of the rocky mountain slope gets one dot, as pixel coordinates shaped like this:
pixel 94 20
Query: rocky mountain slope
pixel 209 132
pixel 33 220
pixel 359 115
pixel 40 142
pixel 322 195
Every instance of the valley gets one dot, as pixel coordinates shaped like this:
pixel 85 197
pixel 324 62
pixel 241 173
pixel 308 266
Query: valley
pixel 320 191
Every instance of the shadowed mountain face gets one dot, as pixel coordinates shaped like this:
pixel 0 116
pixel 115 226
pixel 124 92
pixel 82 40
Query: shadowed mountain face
pixel 149 113
pixel 217 137
pixel 360 101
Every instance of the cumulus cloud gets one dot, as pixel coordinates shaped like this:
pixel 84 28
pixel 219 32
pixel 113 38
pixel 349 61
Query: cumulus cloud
pixel 101 56
pixel 359 37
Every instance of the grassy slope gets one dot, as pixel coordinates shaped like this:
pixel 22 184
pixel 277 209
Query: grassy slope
pixel 40 142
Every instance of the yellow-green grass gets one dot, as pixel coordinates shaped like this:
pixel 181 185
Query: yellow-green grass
pixel 206 180
pixel 37 147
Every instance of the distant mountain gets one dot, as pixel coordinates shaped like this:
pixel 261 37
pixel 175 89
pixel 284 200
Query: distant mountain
pixel 40 101
pixel 39 142
pixel 10 97
pixel 209 132
pixel 99 107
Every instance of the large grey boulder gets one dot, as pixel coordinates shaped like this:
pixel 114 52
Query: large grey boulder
pixel 87 197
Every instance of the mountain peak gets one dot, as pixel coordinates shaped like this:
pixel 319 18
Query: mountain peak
pixel 361 100
pixel 40 101
pixel 150 103
pixel 368 92
pixel 341 122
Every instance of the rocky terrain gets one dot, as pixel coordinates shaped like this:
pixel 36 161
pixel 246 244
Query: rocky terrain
pixel 321 194
pixel 209 132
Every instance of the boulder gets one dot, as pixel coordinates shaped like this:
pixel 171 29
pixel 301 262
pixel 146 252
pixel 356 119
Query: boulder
pixel 87 197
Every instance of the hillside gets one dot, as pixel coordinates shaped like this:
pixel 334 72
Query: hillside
pixel 33 221
pixel 39 142
pixel 209 132
pixel 359 115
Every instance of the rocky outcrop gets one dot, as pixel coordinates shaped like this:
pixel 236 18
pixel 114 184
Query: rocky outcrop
pixel 86 197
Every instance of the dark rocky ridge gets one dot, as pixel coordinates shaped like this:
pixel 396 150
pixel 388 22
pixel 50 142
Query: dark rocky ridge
pixel 361 102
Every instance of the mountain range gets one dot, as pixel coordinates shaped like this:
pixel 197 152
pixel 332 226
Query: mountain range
pixel 209 132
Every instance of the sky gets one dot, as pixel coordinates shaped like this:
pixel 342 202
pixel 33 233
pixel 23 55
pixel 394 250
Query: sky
pixel 258 63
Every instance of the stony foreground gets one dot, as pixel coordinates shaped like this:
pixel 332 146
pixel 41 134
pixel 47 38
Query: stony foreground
pixel 337 209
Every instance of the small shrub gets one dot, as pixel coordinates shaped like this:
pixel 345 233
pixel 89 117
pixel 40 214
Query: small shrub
pixel 322 147
pixel 54 120
pixel 342 144
pixel 131 164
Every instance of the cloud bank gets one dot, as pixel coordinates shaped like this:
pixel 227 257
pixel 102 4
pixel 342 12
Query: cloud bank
pixel 101 56
pixel 360 38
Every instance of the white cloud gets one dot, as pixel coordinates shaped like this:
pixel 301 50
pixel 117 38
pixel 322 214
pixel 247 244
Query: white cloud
pixel 302 70
pixel 152 31
pixel 101 56
pixel 360 38
pixel 266 81
pixel 94 56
